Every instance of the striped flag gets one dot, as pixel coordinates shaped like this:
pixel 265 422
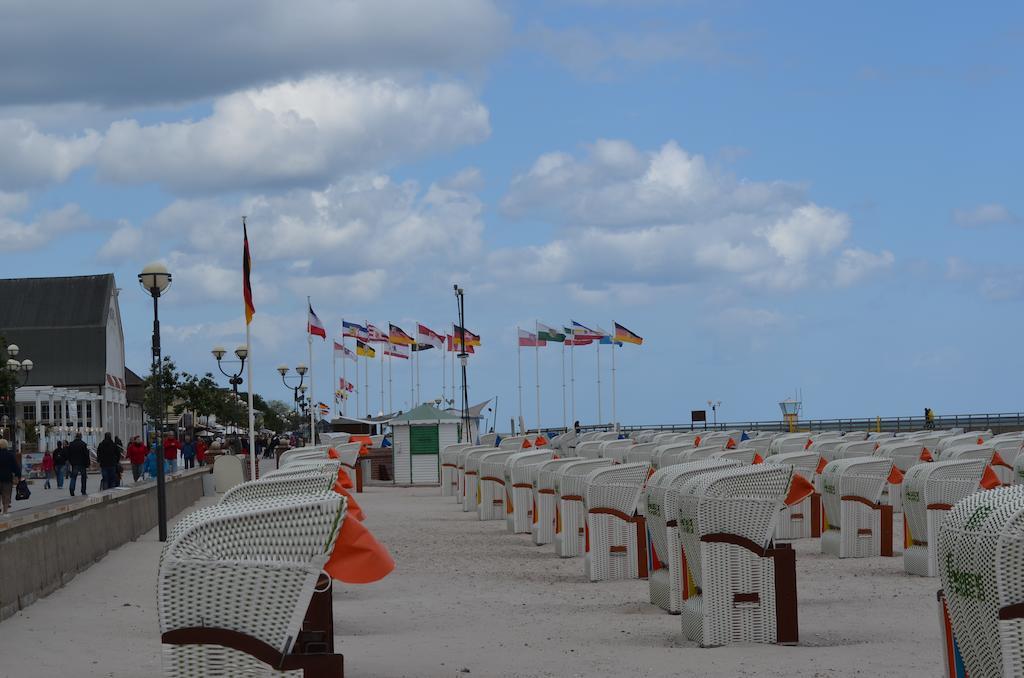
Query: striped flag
pixel 581 331
pixel 425 335
pixel 375 335
pixel 314 326
pixel 365 350
pixel 396 351
pixel 250 309
pixel 397 336
pixel 530 339
pixel 548 333
pixel 627 336
pixel 471 339
pixel 453 344
pixel 353 330
pixel 344 351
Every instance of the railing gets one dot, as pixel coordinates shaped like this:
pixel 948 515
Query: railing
pixel 968 422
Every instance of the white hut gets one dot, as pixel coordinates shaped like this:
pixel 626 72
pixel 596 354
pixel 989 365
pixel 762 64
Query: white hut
pixel 419 436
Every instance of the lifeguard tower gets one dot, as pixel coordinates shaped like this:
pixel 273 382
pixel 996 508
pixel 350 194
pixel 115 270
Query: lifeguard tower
pixel 791 412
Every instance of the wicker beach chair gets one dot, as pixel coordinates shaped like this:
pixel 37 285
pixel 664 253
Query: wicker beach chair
pixel 570 515
pixel 641 452
pixel 461 455
pixel 513 442
pixel 1008 448
pixel 616 536
pixel 589 449
pixel 519 483
pixel 450 468
pixel 979 559
pixel 616 449
pixel 669 579
pixel 302 468
pixel 905 454
pixel 856 523
pixel 545 494
pixel 744 455
pixel 302 453
pixel 490 498
pixel 971 438
pixel 929 492
pixel 987 452
pixel 333 439
pixel 788 442
pixel 671 453
pixel 312 483
pixel 803 519
pixel 745 585
pixel 488 439
pixel 471 475
pixel 240 586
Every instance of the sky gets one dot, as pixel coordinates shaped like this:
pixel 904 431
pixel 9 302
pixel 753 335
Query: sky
pixel 775 196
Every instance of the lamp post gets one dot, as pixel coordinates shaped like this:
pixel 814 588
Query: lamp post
pixel 155 279
pixel 460 300
pixel 301 370
pixel 234 379
pixel 714 405
pixel 20 371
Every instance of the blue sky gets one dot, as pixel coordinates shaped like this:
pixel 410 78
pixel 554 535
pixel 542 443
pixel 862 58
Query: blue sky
pixel 776 196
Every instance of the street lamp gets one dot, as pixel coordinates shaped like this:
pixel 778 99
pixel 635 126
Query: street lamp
pixel 301 370
pixel 242 352
pixel 460 300
pixel 20 371
pixel 155 279
pixel 714 405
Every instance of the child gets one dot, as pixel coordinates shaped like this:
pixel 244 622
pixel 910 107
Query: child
pixel 47 468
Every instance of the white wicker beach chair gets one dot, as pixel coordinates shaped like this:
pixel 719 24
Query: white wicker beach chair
pixel 615 449
pixel 856 523
pixel 302 453
pixel 488 439
pixel 855 435
pixel 980 557
pixel 641 452
pixel 461 455
pixel 788 442
pixel 514 443
pixel 334 439
pixel 803 519
pixel 589 449
pixel 471 479
pixel 519 481
pixel 570 515
pixel 324 466
pixel 744 455
pixel 1008 448
pixel 905 454
pixel 986 452
pixel 668 578
pixel 671 453
pixel 312 483
pixel 491 485
pixel 616 536
pixel 450 468
pixel 929 492
pixel 746 586
pixel 545 494
pixel 237 584
pixel 971 438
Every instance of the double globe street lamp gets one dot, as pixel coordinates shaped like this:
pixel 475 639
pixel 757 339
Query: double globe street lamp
pixel 300 370
pixel 20 371
pixel 242 352
pixel 155 279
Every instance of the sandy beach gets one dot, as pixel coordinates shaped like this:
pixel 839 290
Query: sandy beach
pixel 469 599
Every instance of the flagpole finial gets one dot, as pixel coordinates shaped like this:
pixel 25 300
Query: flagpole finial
pixel 243 220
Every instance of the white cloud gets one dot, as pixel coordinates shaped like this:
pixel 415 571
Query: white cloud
pixel 358 288
pixel 985 215
pixel 126 242
pixel 30 157
pixel 665 217
pixel 295 133
pixel 20 236
pixel 856 264
pixel 12 203
pixel 193 49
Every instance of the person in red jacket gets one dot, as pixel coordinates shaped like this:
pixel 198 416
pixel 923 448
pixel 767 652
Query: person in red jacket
pixel 137 456
pixel 171 449
pixel 201 452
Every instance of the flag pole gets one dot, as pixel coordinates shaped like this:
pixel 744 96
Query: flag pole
pixel 519 373
pixel 444 376
pixel 334 380
pixel 453 365
pixel 536 364
pixel 344 375
pixel 599 416
pixel 412 391
pixel 572 375
pixel 312 392
pixel 615 422
pixel 252 414
pixel 564 423
pixel 382 357
pixel 391 386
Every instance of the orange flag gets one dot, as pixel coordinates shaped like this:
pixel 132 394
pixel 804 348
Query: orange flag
pixel 997 460
pixel 758 459
pixel 696 441
pixel 344 479
pixel 541 441
pixel 895 476
pixel 358 558
pixel 354 509
pixel 332 453
pixel 989 479
pixel 799 489
pixel 731 445
pixel 821 465
pixel 926 455
pixel 526 443
pixel 981 441
pixel 808 443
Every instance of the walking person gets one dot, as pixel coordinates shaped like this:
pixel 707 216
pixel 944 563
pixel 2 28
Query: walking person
pixel 47 468
pixel 78 458
pixel 188 453
pixel 10 475
pixel 201 451
pixel 109 457
pixel 60 462
pixel 171 449
pixel 136 456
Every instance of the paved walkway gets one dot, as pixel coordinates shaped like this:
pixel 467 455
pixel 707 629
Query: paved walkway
pixel 466 595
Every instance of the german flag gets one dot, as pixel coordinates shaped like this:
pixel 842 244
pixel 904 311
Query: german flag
pixel 250 310
pixel 624 335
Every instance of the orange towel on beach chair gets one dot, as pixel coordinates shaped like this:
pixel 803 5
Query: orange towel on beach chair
pixel 358 558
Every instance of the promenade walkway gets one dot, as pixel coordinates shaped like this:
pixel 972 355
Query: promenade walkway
pixel 465 595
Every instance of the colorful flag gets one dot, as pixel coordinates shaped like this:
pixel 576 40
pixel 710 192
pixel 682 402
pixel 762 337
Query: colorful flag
pixel 576 341
pixel 344 351
pixel 345 385
pixel 548 333
pixel 422 347
pixel 471 339
pixel 340 395
pixel 607 338
pixel 581 331
pixel 314 326
pixel 397 336
pixel 353 330
pixel 530 339
pixel 250 309
pixel 453 345
pixel 365 350
pixel 624 335
pixel 425 335
pixel 325 409
pixel 375 335
pixel 396 351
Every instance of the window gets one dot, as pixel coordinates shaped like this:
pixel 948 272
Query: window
pixel 28 412
pixel 423 439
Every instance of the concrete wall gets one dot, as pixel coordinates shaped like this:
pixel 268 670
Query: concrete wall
pixel 41 553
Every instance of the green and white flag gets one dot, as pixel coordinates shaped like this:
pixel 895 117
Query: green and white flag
pixel 546 333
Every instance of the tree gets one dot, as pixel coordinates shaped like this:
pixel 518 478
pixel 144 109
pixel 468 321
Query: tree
pixel 156 402
pixel 276 414
pixel 198 394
